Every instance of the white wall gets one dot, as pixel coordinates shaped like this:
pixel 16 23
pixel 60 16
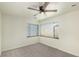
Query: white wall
pixel 68 33
pixel 0 32
pixel 15 32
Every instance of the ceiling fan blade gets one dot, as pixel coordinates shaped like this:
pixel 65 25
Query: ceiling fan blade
pixel 51 10
pixel 45 4
pixel 32 9
pixel 37 13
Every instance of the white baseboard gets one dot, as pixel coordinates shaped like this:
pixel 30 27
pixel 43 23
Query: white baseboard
pixel 58 49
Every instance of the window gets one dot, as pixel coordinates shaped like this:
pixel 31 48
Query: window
pixel 49 30
pixel 33 30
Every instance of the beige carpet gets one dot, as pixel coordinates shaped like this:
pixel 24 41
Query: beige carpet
pixel 36 50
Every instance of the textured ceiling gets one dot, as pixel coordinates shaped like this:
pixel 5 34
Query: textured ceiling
pixel 20 8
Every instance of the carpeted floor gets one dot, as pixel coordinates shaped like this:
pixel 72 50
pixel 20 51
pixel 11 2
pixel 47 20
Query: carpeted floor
pixel 36 50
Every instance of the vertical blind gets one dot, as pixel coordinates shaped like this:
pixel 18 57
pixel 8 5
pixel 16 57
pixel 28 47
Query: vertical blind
pixel 32 30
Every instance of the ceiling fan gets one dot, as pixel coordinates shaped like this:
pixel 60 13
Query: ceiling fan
pixel 42 9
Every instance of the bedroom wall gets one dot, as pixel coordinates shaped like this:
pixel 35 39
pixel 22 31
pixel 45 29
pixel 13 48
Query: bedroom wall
pixel 0 32
pixel 15 32
pixel 68 33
